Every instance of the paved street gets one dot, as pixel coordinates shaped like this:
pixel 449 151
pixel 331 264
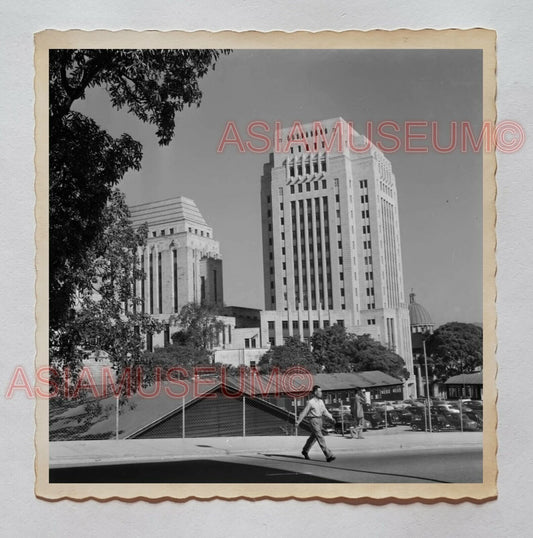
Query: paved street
pixel 395 455
pixel 411 466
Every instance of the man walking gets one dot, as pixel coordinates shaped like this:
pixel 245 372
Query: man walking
pixel 314 410
pixel 358 413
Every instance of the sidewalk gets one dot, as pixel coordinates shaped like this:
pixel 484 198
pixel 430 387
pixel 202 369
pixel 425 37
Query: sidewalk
pixel 86 453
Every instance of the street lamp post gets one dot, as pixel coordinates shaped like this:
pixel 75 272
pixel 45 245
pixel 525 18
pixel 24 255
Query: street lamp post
pixel 427 385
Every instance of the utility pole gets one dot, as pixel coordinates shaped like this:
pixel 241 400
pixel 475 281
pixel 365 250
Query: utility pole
pixel 427 385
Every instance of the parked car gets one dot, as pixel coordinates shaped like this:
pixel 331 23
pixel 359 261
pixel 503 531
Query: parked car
pixel 473 405
pixel 381 406
pixel 420 420
pixel 343 420
pixel 446 407
pixel 469 423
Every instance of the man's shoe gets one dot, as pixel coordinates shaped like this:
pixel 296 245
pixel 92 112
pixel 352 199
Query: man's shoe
pixel 305 455
pixel 330 459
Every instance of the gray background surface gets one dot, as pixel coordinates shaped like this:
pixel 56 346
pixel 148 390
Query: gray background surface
pixel 22 514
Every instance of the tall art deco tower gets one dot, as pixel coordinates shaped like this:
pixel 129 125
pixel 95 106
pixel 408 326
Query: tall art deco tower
pixel 331 240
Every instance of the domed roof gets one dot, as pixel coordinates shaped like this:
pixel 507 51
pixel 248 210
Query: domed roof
pixel 417 313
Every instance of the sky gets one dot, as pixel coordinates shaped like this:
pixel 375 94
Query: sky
pixel 440 195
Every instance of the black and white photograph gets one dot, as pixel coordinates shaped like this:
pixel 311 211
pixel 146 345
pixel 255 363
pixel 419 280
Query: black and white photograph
pixel 267 265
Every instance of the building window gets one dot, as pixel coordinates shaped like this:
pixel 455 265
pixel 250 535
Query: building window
pixel 300 188
pixel 149 342
pixel 215 285
pixel 305 324
pixel 154 234
pixel 324 183
pixel 271 326
pixel 253 343
pixel 315 185
pixel 294 325
pixel 285 325
pixel 269 199
pixel 171 231
pixel 326 324
pixel 175 277
pixel 340 260
pixel 341 276
pixel 315 324
pixel 340 322
pixel 292 189
pixel 151 274
pixel 247 343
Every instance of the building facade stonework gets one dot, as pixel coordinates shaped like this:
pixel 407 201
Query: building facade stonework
pixel 181 260
pixel 331 240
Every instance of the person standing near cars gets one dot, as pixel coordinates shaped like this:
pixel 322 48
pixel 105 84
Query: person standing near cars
pixel 358 413
pixel 314 411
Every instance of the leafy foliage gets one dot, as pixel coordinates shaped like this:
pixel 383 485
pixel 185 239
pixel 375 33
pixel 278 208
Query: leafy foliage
pixel 199 326
pixel 100 320
pixel 329 349
pixel 455 348
pixel 85 162
pixel 187 356
pixel 292 353
pixel 337 351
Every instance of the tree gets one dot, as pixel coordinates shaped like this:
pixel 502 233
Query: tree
pixel 367 354
pixel 199 326
pixel 85 162
pixel 292 353
pixel 186 356
pixel 455 348
pixel 329 349
pixel 106 316
pixel 337 351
